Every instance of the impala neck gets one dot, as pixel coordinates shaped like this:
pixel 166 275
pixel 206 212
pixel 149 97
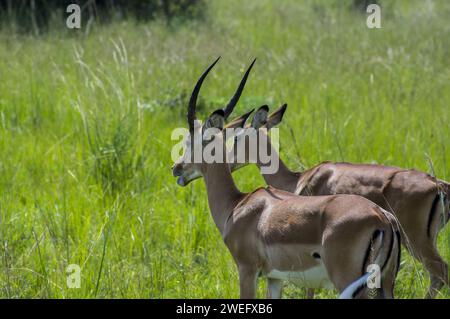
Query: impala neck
pixel 283 178
pixel 223 195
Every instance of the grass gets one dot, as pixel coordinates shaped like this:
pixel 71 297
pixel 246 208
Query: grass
pixel 85 124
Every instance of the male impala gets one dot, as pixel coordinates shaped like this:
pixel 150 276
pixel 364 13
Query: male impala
pixel 419 200
pixel 318 241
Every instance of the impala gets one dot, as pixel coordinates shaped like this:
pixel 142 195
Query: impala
pixel 320 241
pixel 420 201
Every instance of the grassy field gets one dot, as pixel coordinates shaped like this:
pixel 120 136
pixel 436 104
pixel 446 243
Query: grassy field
pixel 86 119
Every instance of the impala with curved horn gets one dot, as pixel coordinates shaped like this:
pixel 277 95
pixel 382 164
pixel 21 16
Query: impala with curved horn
pixel 191 175
pixel 419 201
pixel 321 241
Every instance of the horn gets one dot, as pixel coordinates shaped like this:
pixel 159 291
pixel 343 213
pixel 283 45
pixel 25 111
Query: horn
pixel 193 100
pixel 233 101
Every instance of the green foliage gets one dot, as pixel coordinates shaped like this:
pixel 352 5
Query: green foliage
pixel 35 16
pixel 86 121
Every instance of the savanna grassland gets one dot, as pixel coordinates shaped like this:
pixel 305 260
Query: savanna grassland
pixel 86 118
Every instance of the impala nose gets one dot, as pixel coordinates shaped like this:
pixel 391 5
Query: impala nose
pixel 176 170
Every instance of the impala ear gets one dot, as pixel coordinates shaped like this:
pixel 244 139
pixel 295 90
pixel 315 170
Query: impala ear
pixel 276 117
pixel 260 117
pixel 215 120
pixel 240 121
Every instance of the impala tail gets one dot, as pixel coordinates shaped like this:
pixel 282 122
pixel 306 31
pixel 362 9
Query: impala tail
pixel 383 252
pixel 445 199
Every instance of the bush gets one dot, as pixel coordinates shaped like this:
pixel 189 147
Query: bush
pixel 363 4
pixel 35 15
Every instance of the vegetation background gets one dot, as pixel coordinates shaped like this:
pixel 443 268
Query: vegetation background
pixel 86 117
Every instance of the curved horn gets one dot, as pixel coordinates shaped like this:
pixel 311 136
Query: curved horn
pixel 193 100
pixel 233 101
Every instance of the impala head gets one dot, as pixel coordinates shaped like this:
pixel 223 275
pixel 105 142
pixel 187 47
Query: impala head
pixel 191 164
pixel 246 148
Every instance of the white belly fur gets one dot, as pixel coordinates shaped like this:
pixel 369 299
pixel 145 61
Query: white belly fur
pixel 315 277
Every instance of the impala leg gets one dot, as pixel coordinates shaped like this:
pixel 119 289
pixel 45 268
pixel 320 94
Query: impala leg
pixel 274 288
pixel 248 281
pixel 437 268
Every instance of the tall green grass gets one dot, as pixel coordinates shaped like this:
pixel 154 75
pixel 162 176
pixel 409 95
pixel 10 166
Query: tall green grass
pixel 85 124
